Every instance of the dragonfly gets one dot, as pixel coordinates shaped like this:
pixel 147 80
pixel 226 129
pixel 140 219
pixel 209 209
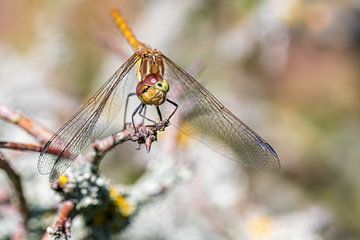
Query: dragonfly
pixel 156 81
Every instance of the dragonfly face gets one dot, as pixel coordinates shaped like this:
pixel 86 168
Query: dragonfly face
pixel 152 88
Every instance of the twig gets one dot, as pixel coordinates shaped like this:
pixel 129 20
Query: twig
pixel 9 115
pixel 15 180
pixel 28 147
pixel 62 222
pixel 144 134
pixel 21 146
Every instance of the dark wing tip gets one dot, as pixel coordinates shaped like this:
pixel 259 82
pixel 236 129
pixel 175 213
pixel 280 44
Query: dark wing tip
pixel 273 162
pixel 271 149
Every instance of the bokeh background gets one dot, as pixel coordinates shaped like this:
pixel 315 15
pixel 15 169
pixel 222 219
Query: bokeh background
pixel 288 68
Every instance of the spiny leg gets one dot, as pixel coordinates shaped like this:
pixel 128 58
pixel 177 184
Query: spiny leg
pixel 144 117
pixel 143 112
pixel 176 107
pixel 126 107
pixel 141 105
pixel 159 113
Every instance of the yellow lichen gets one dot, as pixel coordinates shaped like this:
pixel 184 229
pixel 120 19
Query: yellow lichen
pixel 63 180
pixel 124 206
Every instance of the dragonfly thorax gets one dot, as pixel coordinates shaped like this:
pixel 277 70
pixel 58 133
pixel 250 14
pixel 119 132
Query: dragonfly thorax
pixel 152 90
pixel 151 62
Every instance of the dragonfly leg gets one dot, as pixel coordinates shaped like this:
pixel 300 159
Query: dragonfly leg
pixel 144 117
pixel 176 107
pixel 126 107
pixel 141 105
pixel 143 112
pixel 159 113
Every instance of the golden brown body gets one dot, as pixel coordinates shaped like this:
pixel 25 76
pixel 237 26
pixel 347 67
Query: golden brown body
pixel 152 88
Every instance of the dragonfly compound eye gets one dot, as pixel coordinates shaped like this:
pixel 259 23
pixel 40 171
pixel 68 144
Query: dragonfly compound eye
pixel 152 79
pixel 163 86
pixel 149 81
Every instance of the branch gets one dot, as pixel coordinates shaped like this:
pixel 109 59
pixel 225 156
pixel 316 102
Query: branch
pixel 21 146
pixel 143 134
pixel 16 182
pixel 61 227
pixel 29 147
pixel 9 115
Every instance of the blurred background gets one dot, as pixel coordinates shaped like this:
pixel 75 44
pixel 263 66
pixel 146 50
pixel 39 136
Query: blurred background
pixel 288 68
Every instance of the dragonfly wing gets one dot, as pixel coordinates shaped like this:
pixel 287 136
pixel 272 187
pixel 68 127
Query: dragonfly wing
pixel 206 119
pixel 86 124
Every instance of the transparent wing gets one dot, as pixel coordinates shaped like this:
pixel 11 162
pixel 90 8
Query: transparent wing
pixel 214 125
pixel 86 124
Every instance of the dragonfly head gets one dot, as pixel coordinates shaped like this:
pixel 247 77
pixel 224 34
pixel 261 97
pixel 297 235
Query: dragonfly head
pixel 152 90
